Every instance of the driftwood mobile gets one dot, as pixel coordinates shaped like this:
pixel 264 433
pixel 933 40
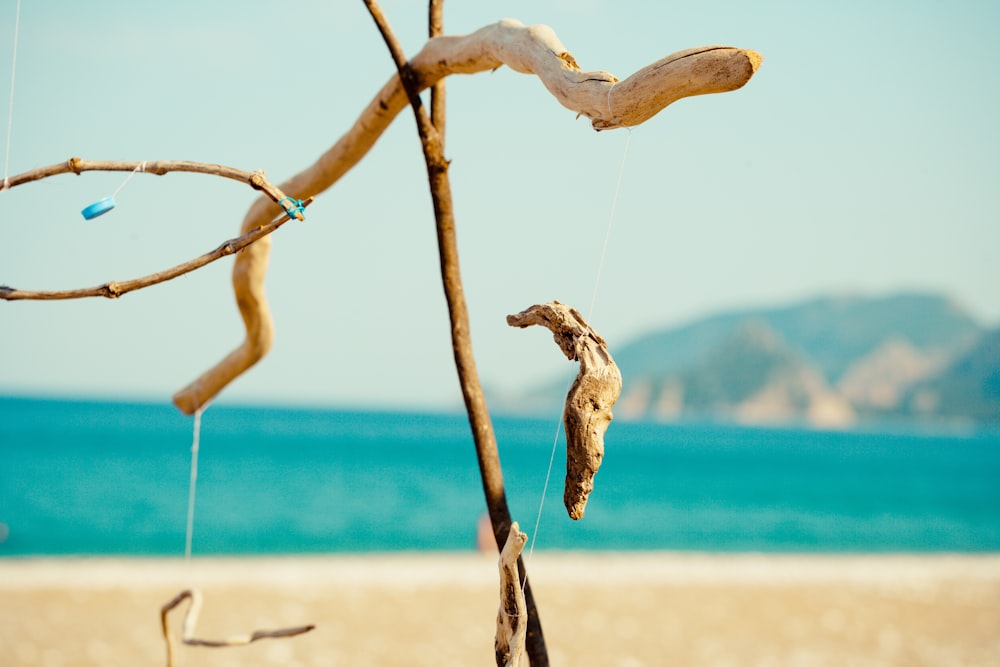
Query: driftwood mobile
pixel 608 102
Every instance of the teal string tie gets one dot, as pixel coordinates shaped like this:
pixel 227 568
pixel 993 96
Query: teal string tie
pixel 298 207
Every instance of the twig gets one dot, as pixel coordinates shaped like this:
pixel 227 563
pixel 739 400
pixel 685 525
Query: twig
pixel 600 96
pixel 115 289
pixel 511 628
pixel 191 619
pixel 78 165
pixel 588 404
pixel 435 28
pixel 487 453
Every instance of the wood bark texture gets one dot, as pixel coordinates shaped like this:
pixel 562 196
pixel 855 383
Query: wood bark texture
pixel 608 102
pixel 512 616
pixel 587 413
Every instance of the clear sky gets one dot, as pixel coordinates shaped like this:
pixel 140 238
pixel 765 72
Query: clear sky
pixel 863 158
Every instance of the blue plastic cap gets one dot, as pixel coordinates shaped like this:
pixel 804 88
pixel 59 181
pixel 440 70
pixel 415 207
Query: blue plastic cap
pixel 98 208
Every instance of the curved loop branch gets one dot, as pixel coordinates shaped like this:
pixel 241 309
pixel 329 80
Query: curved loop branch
pixel 115 289
pixel 600 96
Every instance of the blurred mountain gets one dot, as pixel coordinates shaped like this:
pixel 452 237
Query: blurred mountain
pixel 969 386
pixel 828 362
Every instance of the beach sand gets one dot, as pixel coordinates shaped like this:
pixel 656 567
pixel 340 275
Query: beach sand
pixel 439 609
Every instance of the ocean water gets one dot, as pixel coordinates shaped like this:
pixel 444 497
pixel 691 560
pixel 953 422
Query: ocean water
pixel 112 478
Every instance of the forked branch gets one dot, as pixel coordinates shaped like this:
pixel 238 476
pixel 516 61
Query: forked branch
pixel 487 453
pixel 115 289
pixel 600 96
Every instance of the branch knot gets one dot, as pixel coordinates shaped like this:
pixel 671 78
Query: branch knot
pixel 112 290
pixel 257 180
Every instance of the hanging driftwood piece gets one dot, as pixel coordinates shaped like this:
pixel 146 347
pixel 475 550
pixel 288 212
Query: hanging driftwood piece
pixel 588 404
pixel 608 102
pixel 512 616
pixel 191 619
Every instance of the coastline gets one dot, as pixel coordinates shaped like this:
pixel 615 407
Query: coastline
pixel 610 608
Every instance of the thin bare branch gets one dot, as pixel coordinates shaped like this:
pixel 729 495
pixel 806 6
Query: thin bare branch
pixel 115 289
pixel 435 28
pixel 484 437
pixel 191 619
pixel 78 165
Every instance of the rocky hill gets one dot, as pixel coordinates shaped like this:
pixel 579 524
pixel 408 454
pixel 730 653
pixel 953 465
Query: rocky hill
pixel 829 362
pixel 969 386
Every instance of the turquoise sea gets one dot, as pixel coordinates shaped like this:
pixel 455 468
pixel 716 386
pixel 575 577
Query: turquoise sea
pixel 105 478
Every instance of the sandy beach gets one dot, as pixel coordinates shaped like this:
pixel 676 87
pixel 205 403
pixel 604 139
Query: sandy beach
pixel 439 609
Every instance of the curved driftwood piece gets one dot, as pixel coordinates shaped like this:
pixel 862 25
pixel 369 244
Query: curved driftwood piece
pixel 600 96
pixel 588 404
pixel 114 289
pixel 191 619
pixel 512 616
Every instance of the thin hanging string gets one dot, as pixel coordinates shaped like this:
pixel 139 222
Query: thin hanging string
pixel 192 484
pixel 140 167
pixel 590 312
pixel 10 109
pixel 607 233
pixel 545 490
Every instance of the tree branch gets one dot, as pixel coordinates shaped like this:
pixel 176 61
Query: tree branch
pixel 487 453
pixel 115 289
pixel 435 28
pixel 78 165
pixel 528 49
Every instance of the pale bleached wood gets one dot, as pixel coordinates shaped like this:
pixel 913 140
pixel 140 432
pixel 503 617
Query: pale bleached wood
pixel 191 620
pixel 609 104
pixel 512 616
pixel 587 413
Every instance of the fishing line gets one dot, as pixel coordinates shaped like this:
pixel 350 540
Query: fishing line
pixel 10 108
pixel 590 312
pixel 102 206
pixel 192 484
pixel 611 219
pixel 141 167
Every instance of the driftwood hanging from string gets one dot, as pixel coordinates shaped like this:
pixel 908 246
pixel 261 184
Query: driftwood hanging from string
pixel 191 620
pixel 608 102
pixel 587 413
pixel 512 615
pixel 114 289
